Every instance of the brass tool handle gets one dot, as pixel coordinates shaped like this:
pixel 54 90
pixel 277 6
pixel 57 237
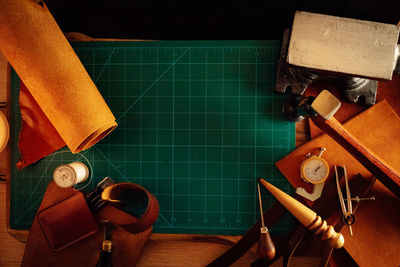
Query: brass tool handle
pixel 266 247
pixel 372 162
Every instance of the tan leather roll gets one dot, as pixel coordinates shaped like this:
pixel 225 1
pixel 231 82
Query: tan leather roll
pixel 44 60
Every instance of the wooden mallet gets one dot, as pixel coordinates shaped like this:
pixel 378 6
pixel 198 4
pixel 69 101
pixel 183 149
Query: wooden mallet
pixel 326 105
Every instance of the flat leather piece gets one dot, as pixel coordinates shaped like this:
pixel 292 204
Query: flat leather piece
pixel 376 239
pixel 127 247
pixel 67 222
pixel 37 137
pixel 37 250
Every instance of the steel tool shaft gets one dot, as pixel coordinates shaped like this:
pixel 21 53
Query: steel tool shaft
pixel 266 246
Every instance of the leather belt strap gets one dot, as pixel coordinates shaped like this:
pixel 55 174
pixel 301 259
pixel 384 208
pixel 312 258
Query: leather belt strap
pixel 106 248
pixel 110 194
pixel 271 216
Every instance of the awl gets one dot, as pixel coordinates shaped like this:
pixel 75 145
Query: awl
pixel 266 246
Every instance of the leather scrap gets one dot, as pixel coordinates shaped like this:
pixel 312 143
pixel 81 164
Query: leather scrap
pixel 38 137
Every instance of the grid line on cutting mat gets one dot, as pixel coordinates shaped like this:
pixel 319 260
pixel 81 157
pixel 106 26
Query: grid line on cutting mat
pixel 198 124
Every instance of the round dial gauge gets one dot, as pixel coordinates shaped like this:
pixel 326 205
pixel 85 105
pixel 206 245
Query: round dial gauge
pixel 314 170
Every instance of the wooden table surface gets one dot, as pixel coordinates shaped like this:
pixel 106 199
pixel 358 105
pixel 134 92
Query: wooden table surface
pixel 161 250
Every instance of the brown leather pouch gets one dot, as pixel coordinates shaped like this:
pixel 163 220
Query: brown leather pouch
pixel 67 222
pixel 65 233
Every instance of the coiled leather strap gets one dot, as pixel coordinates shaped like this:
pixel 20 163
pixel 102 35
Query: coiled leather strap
pixel 110 194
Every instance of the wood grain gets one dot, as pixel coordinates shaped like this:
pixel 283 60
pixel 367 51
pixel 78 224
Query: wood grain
pixel 11 250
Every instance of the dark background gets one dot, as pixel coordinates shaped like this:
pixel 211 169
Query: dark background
pixel 204 20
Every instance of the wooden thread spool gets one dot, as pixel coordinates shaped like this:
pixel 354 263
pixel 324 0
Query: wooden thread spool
pixel 70 174
pixel 306 216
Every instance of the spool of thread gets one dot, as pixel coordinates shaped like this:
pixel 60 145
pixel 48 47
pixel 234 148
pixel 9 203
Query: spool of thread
pixel 71 174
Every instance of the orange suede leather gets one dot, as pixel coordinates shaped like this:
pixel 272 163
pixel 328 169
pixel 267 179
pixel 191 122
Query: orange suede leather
pixel 44 60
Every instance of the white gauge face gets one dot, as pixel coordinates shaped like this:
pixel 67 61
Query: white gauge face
pixel 315 169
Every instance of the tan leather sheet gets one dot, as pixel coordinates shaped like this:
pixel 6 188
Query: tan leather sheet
pixel 376 239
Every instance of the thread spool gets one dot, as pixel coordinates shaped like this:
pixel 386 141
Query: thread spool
pixel 70 174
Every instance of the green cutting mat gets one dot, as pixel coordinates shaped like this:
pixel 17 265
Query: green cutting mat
pixel 198 123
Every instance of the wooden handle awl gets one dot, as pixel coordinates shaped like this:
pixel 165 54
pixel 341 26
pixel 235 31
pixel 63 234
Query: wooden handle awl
pixel 266 247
